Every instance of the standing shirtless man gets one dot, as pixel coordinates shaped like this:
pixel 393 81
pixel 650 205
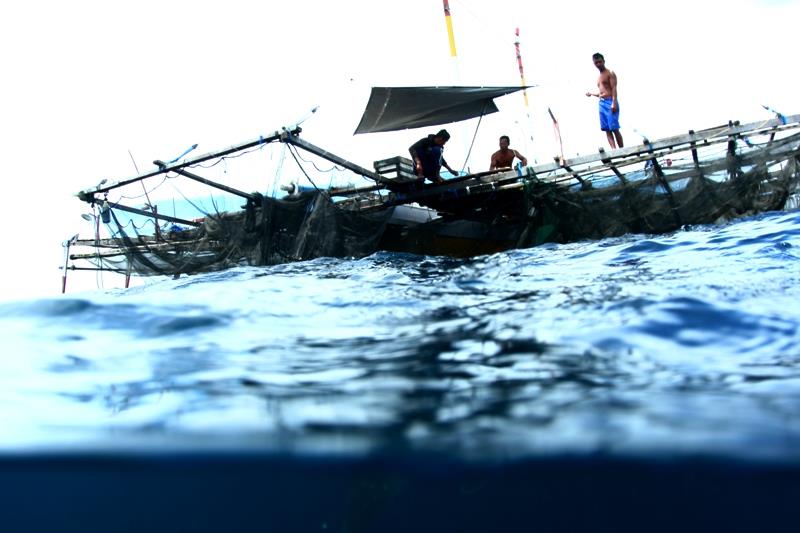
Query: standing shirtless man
pixel 504 157
pixel 609 105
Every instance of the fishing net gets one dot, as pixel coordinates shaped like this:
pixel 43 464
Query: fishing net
pixel 661 195
pixel 267 231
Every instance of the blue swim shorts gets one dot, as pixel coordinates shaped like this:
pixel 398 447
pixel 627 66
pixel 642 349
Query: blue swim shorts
pixel 608 121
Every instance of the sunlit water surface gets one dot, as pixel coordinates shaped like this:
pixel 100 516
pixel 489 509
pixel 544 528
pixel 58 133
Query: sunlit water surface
pixel 682 344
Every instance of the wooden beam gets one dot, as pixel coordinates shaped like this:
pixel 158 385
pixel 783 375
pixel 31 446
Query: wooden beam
pixel 87 195
pixel 707 136
pixel 731 157
pixel 694 151
pixel 665 183
pixel 195 177
pixel 98 255
pixel 352 191
pixel 98 269
pixel 583 182
pixel 610 165
pixel 153 215
pixel 289 138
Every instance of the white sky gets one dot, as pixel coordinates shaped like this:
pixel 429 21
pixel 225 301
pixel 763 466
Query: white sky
pixel 84 82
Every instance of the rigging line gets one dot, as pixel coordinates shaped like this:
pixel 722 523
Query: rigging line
pixel 98 274
pixel 279 170
pixel 489 31
pixel 482 20
pixel 474 136
pixel 199 210
pixel 145 194
pixel 292 151
pixel 129 223
pixel 214 205
pixel 334 167
pixel 223 158
pixel 132 223
pixel 136 167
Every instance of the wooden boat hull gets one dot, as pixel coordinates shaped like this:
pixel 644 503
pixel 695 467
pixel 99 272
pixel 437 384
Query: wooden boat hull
pixel 454 238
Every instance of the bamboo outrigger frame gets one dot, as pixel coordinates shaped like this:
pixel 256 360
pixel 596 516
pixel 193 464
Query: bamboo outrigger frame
pixel 515 195
pixel 559 170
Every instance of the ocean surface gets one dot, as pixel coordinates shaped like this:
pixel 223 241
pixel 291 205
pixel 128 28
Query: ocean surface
pixel 684 344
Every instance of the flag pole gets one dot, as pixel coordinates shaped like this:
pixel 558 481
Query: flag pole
pixel 524 91
pixel 457 75
pixel 449 23
pixel 521 72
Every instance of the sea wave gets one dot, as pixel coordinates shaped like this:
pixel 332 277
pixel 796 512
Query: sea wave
pixel 685 343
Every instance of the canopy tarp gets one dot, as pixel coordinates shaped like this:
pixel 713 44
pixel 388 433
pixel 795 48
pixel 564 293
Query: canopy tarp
pixel 399 108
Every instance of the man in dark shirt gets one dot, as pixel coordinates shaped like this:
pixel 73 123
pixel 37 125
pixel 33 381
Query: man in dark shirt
pixel 427 155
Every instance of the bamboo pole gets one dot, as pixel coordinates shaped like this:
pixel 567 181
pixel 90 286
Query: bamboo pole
pixel 87 195
pixel 333 158
pixel 557 131
pixel 449 22
pixel 66 244
pixel 525 94
pixel 205 181
pixel 521 73
pixel 154 215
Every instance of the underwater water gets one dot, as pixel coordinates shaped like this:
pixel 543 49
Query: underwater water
pixel 682 344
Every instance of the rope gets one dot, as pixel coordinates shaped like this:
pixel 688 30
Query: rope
pixel 335 167
pixel 292 151
pixel 278 170
pixel 477 126
pixel 219 160
pixel 145 195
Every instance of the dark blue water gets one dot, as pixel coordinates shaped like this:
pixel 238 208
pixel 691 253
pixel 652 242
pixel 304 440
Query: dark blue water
pixel 684 344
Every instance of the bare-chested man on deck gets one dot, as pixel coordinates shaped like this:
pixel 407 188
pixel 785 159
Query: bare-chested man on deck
pixel 609 105
pixel 504 157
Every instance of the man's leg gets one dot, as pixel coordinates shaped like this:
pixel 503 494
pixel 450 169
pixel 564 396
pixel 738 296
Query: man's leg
pixel 618 136
pixel 611 141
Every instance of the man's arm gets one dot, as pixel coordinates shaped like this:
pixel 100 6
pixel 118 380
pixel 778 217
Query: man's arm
pixel 521 158
pixel 414 150
pixel 612 83
pixel 417 165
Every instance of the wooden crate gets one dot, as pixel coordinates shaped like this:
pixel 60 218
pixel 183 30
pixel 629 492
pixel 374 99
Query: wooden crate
pixel 399 169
